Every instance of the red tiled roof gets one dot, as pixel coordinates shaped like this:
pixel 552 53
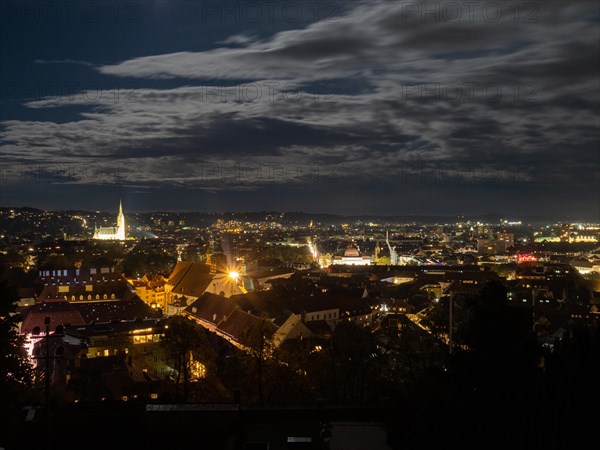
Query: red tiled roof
pixel 106 311
pixel 190 279
pixel 211 307
pixel 240 322
pixel 60 313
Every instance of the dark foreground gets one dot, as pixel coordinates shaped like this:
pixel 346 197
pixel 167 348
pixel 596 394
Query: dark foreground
pixel 135 426
pixel 200 427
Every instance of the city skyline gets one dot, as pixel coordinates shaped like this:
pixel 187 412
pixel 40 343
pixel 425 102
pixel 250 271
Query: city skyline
pixel 316 224
pixel 509 219
pixel 387 108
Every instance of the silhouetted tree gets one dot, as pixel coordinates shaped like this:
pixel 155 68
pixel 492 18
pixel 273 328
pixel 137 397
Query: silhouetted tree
pixel 258 352
pixel 497 370
pixel 355 356
pixel 15 371
pixel 186 342
pixel 571 369
pixel 141 263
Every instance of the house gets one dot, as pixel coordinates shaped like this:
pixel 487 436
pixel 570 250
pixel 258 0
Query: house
pixel 63 313
pixel 210 310
pixel 225 317
pixel 111 377
pixel 191 280
pixel 79 285
pixel 188 280
pixel 26 297
pixel 60 313
pixel 292 328
pixel 356 309
pixel 111 360
pixel 235 327
pixel 151 290
pixel 139 340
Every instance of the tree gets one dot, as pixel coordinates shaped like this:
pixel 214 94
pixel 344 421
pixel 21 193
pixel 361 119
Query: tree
pixel 355 357
pixel 140 262
pixel 571 367
pixel 258 352
pixel 15 371
pixel 409 353
pixel 54 261
pixel 186 343
pixel 497 369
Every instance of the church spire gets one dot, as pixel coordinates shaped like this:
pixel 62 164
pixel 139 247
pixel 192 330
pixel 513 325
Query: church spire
pixel 120 223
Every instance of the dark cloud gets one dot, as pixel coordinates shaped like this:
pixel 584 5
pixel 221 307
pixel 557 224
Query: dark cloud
pixel 372 96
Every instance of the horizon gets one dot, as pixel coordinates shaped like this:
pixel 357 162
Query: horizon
pixel 466 217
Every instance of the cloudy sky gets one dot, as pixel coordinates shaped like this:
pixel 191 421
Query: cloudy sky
pixel 390 107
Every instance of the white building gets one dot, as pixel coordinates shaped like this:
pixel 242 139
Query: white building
pixel 112 233
pixel 352 257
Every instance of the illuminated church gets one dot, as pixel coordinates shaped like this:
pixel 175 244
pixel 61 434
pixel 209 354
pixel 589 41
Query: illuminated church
pixel 112 233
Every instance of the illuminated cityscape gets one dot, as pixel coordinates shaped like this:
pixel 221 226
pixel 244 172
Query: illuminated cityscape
pixel 286 289
pixel 299 225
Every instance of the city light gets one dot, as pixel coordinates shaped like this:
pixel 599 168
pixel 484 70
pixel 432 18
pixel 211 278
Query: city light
pixel 325 225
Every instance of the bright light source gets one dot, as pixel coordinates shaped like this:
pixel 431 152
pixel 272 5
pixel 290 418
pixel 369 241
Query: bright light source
pixel 234 275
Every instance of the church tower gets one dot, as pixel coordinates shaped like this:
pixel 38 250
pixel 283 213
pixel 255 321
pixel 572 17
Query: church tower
pixel 120 223
pixel 112 233
pixel 394 259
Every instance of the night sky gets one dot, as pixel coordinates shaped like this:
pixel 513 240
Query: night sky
pixel 396 108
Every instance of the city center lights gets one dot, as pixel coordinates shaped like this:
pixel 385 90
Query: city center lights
pixel 273 290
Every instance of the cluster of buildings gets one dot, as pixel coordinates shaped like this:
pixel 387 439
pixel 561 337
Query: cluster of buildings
pixel 88 317
pixel 292 280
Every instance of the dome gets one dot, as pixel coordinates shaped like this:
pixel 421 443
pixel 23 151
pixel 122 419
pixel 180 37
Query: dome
pixel 352 251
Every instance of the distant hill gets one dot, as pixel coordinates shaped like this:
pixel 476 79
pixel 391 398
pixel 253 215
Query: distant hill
pixel 303 218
